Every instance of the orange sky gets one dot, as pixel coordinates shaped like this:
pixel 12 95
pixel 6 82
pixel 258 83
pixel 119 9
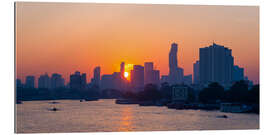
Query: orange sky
pixel 65 37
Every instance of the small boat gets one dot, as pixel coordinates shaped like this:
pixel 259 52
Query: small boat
pixel 234 108
pixel 126 101
pixel 91 99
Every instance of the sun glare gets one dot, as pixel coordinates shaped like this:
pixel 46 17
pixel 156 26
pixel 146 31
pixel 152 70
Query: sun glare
pixel 126 74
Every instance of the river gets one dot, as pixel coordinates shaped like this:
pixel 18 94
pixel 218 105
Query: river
pixel 106 116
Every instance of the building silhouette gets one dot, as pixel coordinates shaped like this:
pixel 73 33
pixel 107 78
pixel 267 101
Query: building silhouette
pixel 137 77
pixel 238 73
pixel 57 81
pixel 150 75
pixel 77 81
pixel 107 81
pixel 176 73
pixel 164 78
pixel 216 65
pixel 44 82
pixel 187 79
pixel 196 72
pixel 19 83
pixel 30 82
pixel 96 78
pixel 122 69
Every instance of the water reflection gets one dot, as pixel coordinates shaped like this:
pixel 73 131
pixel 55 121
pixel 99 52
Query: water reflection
pixel 126 119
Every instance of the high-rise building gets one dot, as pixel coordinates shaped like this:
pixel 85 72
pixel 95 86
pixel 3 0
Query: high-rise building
pixel 57 81
pixel 83 80
pixel 175 73
pixel 188 79
pixel 107 81
pixel 96 78
pixel 216 65
pixel 196 72
pixel 77 81
pixel 122 69
pixel 137 77
pixel 44 82
pixel 164 78
pixel 30 82
pixel 150 75
pixel 238 73
pixel 19 83
pixel 148 72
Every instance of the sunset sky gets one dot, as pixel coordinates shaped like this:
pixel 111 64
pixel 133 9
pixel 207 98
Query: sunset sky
pixel 65 37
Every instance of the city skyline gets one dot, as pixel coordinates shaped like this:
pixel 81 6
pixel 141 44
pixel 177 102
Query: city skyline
pixel 216 62
pixel 53 54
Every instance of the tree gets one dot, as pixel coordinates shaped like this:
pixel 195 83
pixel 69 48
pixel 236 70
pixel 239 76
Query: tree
pixel 238 92
pixel 166 90
pixel 212 93
pixel 149 93
pixel 254 95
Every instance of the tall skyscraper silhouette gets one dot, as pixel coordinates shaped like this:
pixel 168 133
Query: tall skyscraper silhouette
pixel 137 77
pixel 216 65
pixel 175 73
pixel 150 75
pixel 57 81
pixel 238 73
pixel 77 81
pixel 30 82
pixel 196 72
pixel 122 69
pixel 96 78
pixel 44 81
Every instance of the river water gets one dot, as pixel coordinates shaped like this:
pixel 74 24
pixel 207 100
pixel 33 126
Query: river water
pixel 106 116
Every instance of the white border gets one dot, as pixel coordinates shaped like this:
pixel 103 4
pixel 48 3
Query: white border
pixel 7 62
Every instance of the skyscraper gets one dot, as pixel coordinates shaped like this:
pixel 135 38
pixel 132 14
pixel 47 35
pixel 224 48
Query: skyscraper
pixel 196 72
pixel 77 81
pixel 148 72
pixel 150 75
pixel 30 82
pixel 57 81
pixel 216 65
pixel 122 69
pixel 19 83
pixel 107 81
pixel 188 79
pixel 238 73
pixel 44 82
pixel 137 77
pixel 175 72
pixel 164 78
pixel 96 78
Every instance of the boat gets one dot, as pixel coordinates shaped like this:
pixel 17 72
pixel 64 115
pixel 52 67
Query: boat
pixel 126 101
pixel 234 107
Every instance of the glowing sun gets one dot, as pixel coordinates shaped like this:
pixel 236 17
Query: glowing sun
pixel 126 74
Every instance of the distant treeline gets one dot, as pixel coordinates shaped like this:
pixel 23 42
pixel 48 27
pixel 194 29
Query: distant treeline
pixel 214 93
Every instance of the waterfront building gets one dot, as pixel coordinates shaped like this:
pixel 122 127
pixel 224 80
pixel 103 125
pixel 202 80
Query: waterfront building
pixel 77 81
pixel 176 73
pixel 196 72
pixel 188 79
pixel 57 81
pixel 30 82
pixel 137 77
pixel 238 73
pixel 44 82
pixel 96 78
pixel 151 76
pixel 216 65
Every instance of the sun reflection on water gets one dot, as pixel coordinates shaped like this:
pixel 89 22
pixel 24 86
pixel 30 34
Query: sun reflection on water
pixel 126 120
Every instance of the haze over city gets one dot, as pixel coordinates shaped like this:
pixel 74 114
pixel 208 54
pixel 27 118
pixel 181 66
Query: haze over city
pixel 63 38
